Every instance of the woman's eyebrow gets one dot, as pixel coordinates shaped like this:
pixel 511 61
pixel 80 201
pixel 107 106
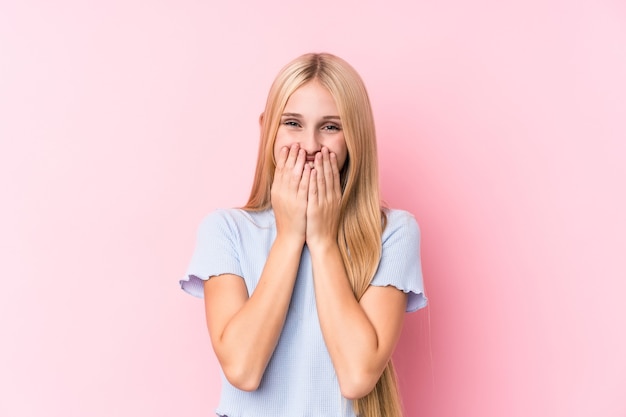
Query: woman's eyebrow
pixel 299 115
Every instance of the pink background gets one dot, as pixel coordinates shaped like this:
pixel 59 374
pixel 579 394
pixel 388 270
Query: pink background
pixel 501 127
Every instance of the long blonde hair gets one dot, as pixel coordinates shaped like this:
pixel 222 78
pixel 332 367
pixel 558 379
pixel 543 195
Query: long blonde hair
pixel 362 217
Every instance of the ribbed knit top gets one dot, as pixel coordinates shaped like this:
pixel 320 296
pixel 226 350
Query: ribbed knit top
pixel 299 380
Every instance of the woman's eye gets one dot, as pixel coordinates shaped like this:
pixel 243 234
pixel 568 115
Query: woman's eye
pixel 331 127
pixel 290 123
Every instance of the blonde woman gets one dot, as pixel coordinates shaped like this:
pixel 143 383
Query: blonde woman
pixel 306 286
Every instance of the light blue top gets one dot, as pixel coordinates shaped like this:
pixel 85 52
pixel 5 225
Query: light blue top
pixel 299 380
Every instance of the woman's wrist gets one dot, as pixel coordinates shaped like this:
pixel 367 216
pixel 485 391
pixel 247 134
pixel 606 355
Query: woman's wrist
pixel 322 247
pixel 290 240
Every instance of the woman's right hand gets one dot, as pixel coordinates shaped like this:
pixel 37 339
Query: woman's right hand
pixel 290 191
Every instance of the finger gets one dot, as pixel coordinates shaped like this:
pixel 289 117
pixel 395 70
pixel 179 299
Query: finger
pixel 294 150
pixel 282 157
pixel 313 194
pixel 328 173
pixel 297 169
pixel 320 176
pixel 300 162
pixel 303 188
pixel 336 175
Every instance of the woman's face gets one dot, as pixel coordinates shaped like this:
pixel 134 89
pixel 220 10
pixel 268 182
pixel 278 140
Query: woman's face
pixel 311 119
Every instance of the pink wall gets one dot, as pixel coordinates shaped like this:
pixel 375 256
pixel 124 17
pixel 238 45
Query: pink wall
pixel 501 128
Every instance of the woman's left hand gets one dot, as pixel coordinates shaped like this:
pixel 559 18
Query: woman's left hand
pixel 324 200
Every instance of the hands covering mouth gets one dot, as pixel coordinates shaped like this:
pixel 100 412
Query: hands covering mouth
pixel 306 195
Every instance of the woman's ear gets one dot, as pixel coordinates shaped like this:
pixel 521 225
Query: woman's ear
pixel 261 120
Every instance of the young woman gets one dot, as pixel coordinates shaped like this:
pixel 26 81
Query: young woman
pixel 306 286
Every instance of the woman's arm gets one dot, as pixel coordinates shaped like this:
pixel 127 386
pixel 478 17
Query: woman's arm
pixel 245 329
pixel 360 335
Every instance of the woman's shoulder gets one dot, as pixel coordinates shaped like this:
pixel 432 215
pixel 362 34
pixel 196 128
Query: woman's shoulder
pixel 399 217
pixel 399 220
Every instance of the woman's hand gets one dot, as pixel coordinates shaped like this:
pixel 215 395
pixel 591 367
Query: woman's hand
pixel 324 201
pixel 289 193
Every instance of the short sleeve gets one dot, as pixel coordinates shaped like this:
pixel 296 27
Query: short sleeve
pixel 215 252
pixel 400 264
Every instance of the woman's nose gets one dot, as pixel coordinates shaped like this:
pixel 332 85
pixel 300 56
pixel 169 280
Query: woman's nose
pixel 310 143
